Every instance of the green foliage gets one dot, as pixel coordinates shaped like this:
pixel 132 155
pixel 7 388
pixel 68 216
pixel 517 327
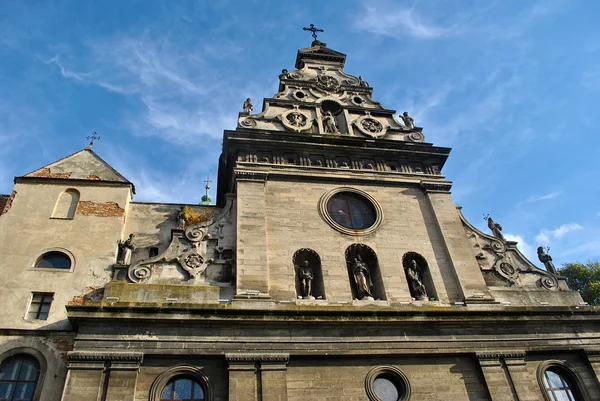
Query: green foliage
pixel 584 278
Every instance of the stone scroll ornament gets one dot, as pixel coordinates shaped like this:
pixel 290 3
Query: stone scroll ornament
pixel 327 83
pixel 370 126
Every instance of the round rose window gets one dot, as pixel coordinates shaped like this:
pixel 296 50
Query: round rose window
pixel 351 210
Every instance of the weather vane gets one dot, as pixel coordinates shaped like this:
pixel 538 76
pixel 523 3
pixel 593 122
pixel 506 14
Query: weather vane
pixel 313 30
pixel 92 138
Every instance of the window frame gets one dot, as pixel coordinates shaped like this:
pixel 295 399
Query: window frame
pixel 34 261
pixel 568 374
pixel 193 372
pixel 37 394
pixel 324 211
pixel 39 310
pixel 391 373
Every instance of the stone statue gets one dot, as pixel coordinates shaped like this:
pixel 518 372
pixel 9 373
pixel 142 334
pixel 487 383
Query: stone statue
pixel 361 82
pixel 546 260
pixel 362 278
pixel 248 106
pixel 181 220
pixel 417 288
pixel 284 74
pixel 125 250
pixel 496 229
pixel 329 124
pixel 408 121
pixel 306 277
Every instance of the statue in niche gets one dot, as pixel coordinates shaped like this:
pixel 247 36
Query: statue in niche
pixel 284 74
pixel 248 106
pixel 496 229
pixel 417 288
pixel 329 124
pixel 408 121
pixel 306 275
pixel 181 220
pixel 125 251
pixel 362 278
pixel 546 260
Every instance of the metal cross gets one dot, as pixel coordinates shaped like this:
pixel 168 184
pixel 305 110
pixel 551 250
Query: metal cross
pixel 313 30
pixel 93 138
pixel 208 181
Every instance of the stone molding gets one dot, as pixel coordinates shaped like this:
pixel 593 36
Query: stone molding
pixel 257 357
pixel 497 355
pixel 83 356
pixel 251 176
pixel 429 186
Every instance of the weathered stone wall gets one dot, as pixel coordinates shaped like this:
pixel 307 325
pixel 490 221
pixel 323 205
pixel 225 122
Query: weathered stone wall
pixel 27 230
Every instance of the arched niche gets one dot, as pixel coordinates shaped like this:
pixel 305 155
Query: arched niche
pixel 66 205
pixel 423 275
pixel 363 271
pixel 307 263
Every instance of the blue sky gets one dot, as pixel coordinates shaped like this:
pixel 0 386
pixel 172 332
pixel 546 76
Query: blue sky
pixel 512 86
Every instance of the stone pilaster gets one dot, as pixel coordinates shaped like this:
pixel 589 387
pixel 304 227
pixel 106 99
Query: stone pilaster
pixel 496 377
pixel 593 357
pixel 102 376
pixel 252 276
pixel 256 376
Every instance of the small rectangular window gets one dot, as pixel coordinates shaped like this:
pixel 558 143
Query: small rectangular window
pixel 39 306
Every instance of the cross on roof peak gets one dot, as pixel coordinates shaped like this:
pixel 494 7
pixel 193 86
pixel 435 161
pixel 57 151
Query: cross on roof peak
pixel 313 30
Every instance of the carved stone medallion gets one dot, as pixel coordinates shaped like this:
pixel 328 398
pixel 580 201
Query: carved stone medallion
pixel 370 126
pixel 295 120
pixel 327 83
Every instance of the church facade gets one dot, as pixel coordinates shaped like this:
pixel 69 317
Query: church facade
pixel 334 266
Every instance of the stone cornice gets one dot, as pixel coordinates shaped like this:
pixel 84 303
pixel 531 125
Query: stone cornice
pixel 257 357
pixel 500 354
pixel 78 356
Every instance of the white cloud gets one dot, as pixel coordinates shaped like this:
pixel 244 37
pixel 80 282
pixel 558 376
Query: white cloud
pixel 537 198
pixel 526 249
pixel 395 22
pixel 546 236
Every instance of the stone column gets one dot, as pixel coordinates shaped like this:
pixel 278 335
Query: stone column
pixel 257 377
pixel 496 377
pixel 102 376
pixel 243 383
pixel 251 261
pixel 459 251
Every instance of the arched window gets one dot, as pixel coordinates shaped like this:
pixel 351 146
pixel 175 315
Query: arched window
pixel 54 260
pixel 182 388
pixel 19 376
pixel 560 382
pixel 181 383
pixel 66 205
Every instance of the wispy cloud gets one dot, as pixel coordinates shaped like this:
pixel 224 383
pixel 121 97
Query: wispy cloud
pixel 537 198
pixel 546 236
pixel 400 21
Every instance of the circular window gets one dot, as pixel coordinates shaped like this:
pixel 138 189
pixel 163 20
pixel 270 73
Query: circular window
pixel 387 383
pixel 357 100
pixel 351 211
pixel 54 260
pixel 300 95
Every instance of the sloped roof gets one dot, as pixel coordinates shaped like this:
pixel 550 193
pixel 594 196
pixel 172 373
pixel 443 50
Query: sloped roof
pixel 82 165
pixel 319 51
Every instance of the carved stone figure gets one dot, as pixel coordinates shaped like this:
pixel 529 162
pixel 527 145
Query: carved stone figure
pixel 284 74
pixel 306 277
pixel 125 251
pixel 417 288
pixel 362 278
pixel 181 220
pixel 546 260
pixel 248 106
pixel 361 82
pixel 408 121
pixel 296 119
pixel 327 83
pixel 329 124
pixel 496 229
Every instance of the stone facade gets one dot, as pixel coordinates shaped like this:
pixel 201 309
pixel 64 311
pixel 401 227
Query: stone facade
pixel 260 297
